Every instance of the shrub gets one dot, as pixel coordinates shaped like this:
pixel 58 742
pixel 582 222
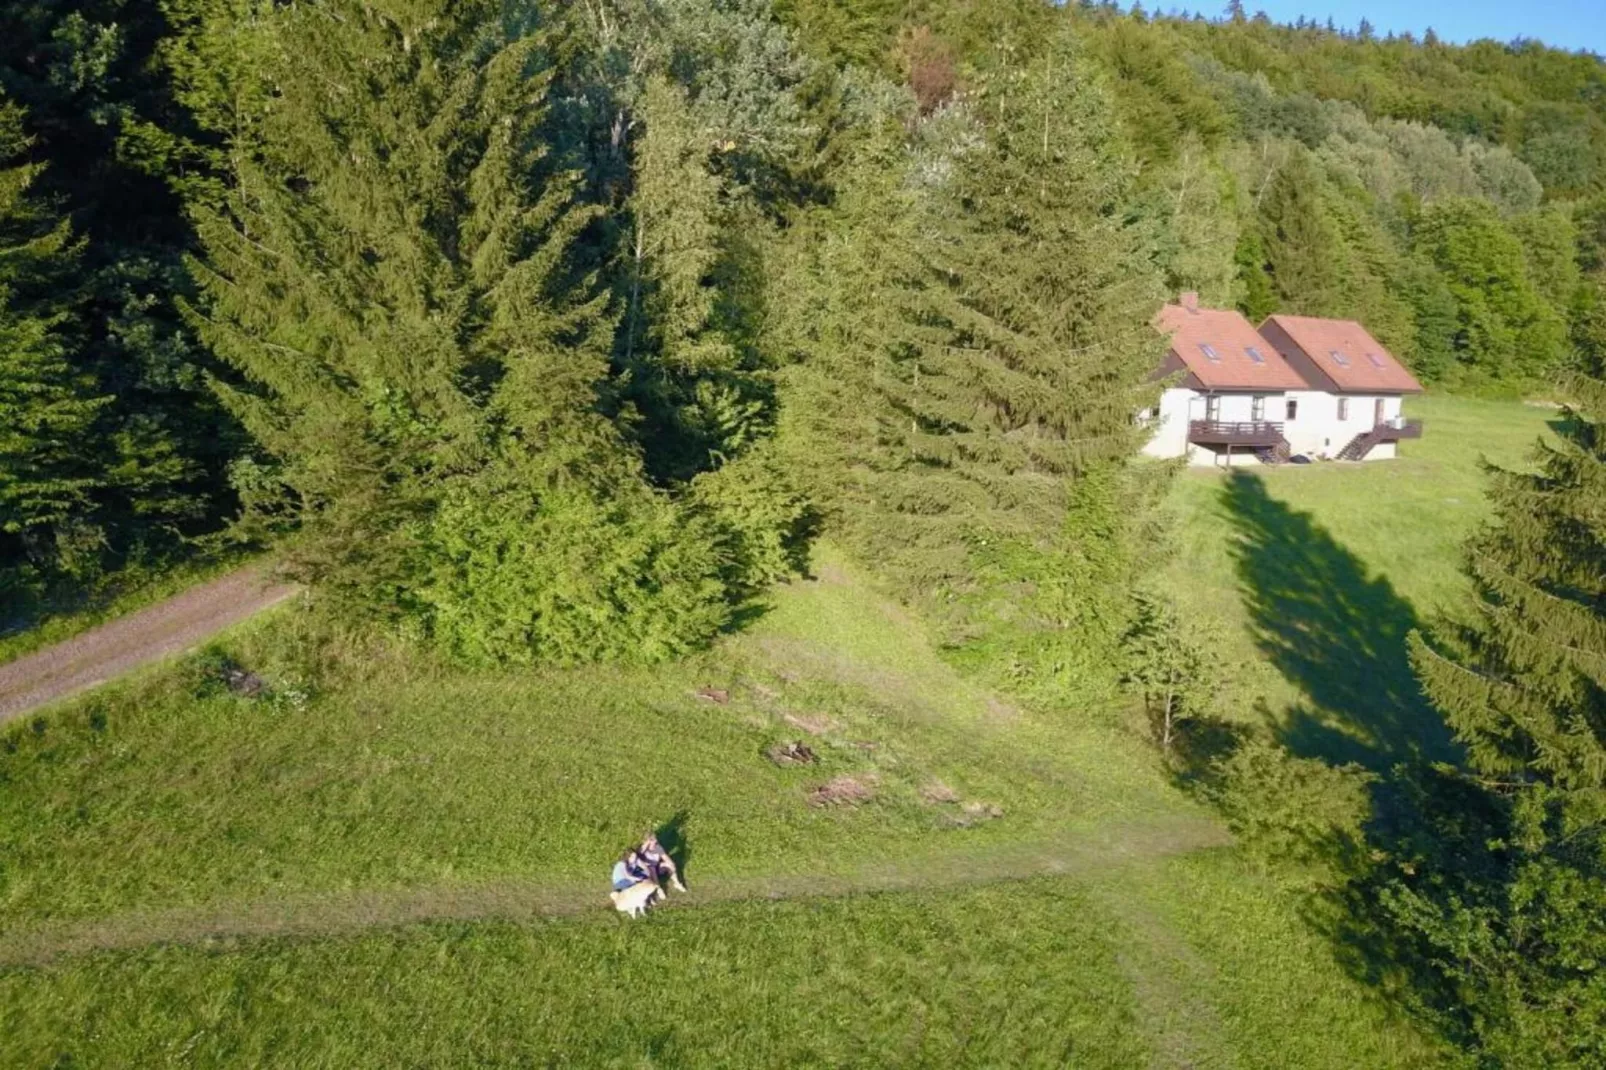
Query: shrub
pixel 1290 810
pixel 763 519
pixel 563 577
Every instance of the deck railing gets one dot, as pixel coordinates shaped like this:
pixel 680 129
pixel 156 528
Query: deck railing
pixel 1230 433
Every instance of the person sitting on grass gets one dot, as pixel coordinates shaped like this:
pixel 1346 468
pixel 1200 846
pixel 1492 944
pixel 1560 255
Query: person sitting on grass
pixel 658 863
pixel 631 869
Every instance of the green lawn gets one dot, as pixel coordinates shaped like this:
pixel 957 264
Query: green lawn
pixel 1016 974
pixel 403 865
pixel 1306 579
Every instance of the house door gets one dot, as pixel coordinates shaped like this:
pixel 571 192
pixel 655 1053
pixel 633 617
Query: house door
pixel 1213 409
pixel 1377 413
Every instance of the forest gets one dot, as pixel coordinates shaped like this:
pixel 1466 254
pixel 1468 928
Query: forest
pixel 555 334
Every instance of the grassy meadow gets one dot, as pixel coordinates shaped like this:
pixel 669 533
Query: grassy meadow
pixel 1307 579
pixel 384 862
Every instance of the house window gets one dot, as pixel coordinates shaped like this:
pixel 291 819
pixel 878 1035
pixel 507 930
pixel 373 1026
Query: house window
pixel 1213 408
pixel 1257 408
pixel 1293 409
pixel 1377 361
pixel 1210 353
pixel 1255 354
pixel 1343 408
pixel 1338 358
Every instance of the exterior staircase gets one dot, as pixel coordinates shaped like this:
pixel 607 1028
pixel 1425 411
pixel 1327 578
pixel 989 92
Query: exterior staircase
pixel 1359 446
pixel 1277 454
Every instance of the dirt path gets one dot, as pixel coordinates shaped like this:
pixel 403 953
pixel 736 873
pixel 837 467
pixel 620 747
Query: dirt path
pixel 348 913
pixel 126 643
pixel 1171 983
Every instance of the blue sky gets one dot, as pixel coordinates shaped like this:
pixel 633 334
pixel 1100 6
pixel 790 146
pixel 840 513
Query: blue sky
pixel 1570 24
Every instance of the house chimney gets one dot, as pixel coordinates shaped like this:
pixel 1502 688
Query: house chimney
pixel 1190 301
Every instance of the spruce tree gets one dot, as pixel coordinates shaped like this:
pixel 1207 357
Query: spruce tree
pixel 848 310
pixel 112 146
pixel 695 385
pixel 47 408
pixel 1249 257
pixel 1505 904
pixel 976 333
pixel 396 271
pixel 1046 285
pixel 1303 244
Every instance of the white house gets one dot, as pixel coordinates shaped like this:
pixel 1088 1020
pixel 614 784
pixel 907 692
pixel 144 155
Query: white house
pixel 1351 410
pixel 1298 386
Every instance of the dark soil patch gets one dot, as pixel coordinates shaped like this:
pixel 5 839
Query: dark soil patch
pixel 243 682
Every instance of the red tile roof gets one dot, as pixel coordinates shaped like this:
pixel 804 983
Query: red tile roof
pixel 1343 352
pixel 1197 333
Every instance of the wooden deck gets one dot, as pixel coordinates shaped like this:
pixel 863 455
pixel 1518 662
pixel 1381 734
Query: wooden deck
pixel 1401 429
pixel 1256 434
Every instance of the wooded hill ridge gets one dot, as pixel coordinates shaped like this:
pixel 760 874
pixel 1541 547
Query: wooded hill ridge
pixel 541 333
pixel 706 184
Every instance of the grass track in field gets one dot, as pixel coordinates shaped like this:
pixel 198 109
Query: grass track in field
pixel 1021 974
pixel 960 865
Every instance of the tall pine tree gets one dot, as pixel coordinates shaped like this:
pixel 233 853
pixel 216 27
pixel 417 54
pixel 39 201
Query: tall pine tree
pixel 397 272
pixel 47 407
pixel 103 121
pixel 1505 900
pixel 975 324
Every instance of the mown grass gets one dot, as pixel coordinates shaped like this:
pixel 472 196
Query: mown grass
pixel 1010 975
pixel 1028 973
pixel 170 790
pixel 166 793
pixel 1266 973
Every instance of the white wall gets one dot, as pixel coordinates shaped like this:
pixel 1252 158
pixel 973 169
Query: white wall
pixel 1317 431
pixel 1171 427
pixel 1239 408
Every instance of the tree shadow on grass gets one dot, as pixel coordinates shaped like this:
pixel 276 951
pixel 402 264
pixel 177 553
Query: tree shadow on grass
pixel 672 838
pixel 1334 631
pixel 1338 633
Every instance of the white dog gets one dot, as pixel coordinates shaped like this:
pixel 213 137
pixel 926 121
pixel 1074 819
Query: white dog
pixel 635 899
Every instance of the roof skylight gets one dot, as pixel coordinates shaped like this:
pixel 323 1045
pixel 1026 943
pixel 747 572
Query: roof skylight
pixel 1210 353
pixel 1338 358
pixel 1255 354
pixel 1377 361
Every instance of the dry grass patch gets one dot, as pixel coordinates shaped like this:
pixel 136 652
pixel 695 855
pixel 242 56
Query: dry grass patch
pixel 845 791
pixel 815 724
